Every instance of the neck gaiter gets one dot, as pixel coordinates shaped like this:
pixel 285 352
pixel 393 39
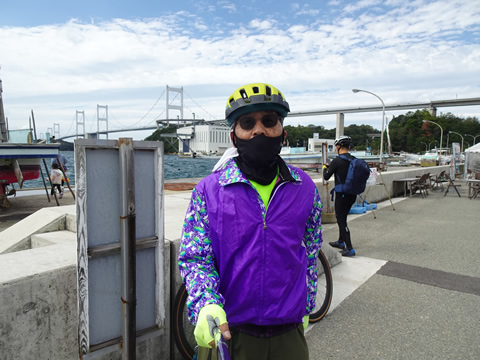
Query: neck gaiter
pixel 258 157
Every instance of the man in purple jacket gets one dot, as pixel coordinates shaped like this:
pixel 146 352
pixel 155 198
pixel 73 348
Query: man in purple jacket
pixel 251 236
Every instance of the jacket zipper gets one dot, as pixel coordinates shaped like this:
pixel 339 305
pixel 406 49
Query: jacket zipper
pixel 265 228
pixel 271 198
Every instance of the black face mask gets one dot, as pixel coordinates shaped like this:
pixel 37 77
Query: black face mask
pixel 258 157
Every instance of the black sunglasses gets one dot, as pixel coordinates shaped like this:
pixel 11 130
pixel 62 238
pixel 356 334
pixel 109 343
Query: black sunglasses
pixel 268 120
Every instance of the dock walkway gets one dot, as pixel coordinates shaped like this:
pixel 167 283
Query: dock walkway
pixel 412 291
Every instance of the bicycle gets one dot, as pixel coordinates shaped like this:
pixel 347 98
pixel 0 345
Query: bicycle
pixel 183 329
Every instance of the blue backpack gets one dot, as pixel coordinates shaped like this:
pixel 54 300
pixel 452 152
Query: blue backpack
pixel 357 176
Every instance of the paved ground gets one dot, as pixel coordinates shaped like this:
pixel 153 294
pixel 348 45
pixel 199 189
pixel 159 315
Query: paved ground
pixel 26 202
pixel 424 303
pixel 413 291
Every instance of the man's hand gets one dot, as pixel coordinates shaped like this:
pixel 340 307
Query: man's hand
pixel 325 166
pixel 202 332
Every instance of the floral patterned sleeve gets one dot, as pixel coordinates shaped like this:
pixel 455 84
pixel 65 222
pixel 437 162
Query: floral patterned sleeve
pixel 313 243
pixel 196 260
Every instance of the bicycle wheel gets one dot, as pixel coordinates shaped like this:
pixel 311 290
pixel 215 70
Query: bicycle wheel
pixel 324 289
pixel 182 328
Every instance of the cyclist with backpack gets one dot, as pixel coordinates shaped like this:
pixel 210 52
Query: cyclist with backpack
pixel 345 196
pixel 251 236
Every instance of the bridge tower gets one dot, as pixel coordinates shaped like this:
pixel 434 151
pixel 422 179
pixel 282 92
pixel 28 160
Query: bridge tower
pixel 175 104
pixel 102 116
pixel 56 130
pixel 80 121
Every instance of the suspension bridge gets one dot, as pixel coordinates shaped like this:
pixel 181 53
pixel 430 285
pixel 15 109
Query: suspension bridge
pixel 175 102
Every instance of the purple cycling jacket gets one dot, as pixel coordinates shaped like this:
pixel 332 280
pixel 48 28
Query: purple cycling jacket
pixel 258 263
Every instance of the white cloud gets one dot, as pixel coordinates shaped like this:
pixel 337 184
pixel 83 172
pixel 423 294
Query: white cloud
pixel 305 10
pixel 262 24
pixel 362 4
pixel 415 50
pixel 226 5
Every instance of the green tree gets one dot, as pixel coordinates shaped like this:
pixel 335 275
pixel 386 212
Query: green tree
pixel 170 145
pixel 407 132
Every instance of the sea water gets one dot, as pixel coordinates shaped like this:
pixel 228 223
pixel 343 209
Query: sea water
pixel 174 168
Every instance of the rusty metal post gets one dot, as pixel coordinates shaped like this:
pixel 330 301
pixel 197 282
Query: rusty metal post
pixel 324 159
pixel 44 163
pixel 127 240
pixel 50 180
pixel 325 183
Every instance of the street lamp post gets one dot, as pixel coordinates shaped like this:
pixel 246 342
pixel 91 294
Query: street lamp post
pixel 388 136
pixel 474 137
pixel 421 142
pixel 453 132
pixel 441 132
pixel 430 145
pixel 383 119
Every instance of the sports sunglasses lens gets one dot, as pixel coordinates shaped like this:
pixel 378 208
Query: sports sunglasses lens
pixel 270 120
pixel 247 123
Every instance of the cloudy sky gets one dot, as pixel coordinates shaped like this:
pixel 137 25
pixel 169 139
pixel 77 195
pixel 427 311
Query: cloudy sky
pixel 57 57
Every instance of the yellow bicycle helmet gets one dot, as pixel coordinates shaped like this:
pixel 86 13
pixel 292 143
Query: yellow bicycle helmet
pixel 255 97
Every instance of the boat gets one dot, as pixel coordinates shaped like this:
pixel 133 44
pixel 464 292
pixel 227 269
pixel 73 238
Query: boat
pixel 301 158
pixel 436 157
pixel 20 156
pixel 304 159
pixel 300 155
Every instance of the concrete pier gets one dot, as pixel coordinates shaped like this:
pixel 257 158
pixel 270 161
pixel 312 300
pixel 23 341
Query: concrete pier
pixel 412 291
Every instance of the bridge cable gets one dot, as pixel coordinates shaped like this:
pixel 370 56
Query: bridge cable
pixel 200 106
pixel 148 112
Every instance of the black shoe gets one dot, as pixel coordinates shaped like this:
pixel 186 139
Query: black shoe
pixel 337 245
pixel 346 252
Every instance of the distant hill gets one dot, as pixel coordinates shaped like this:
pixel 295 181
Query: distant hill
pixel 65 145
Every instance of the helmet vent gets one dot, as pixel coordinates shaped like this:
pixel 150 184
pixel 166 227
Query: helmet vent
pixel 243 93
pixel 255 89
pixel 268 90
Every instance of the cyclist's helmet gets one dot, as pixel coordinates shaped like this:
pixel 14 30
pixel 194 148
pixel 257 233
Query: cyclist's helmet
pixel 255 97
pixel 343 141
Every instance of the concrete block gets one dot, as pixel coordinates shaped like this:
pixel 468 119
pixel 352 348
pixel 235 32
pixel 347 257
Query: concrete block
pixel 37 242
pixel 71 223
pixel 63 237
pixel 17 237
pixel 38 315
pixel 329 218
pixel 333 255
pixel 29 263
pixel 38 304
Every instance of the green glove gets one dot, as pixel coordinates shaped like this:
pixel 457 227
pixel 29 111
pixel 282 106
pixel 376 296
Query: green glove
pixel 306 318
pixel 202 330
pixel 325 166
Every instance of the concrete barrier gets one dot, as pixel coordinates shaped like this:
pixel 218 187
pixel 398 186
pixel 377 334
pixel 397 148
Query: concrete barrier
pixel 38 311
pixel 18 237
pixel 385 185
pixel 38 293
